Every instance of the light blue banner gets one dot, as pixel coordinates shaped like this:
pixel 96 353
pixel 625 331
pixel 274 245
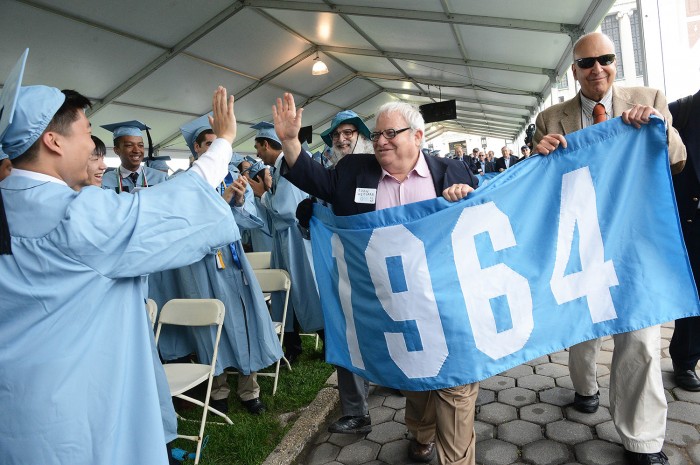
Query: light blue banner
pixel 486 178
pixel 554 251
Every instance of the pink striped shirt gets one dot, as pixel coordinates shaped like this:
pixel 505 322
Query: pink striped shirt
pixel 417 186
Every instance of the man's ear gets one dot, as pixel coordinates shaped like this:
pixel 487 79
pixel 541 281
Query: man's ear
pixel 52 141
pixel 418 137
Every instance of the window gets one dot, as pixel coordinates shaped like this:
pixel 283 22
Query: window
pixel 563 81
pixel 561 99
pixel 611 28
pixel 636 27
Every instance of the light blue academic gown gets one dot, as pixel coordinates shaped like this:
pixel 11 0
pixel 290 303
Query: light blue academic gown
pixel 77 377
pixel 248 342
pixel 260 238
pixel 152 176
pixel 149 177
pixel 292 253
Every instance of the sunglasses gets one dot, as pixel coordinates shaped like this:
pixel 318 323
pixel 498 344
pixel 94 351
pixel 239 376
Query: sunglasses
pixel 588 62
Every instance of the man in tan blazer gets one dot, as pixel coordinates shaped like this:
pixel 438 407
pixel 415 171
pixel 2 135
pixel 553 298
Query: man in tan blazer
pixel 637 400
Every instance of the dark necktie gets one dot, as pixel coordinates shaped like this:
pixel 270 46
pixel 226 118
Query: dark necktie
pixel 134 177
pixel 598 113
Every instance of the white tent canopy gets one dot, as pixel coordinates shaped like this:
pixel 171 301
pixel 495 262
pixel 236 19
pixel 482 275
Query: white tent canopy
pixel 158 61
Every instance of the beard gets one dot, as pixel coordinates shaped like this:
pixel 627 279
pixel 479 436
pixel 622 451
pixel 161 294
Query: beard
pixel 339 150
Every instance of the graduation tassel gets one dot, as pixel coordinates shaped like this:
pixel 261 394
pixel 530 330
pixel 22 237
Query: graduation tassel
pixel 150 148
pixel 5 240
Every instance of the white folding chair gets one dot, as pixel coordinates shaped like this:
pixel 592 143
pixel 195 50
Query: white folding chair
pixel 272 281
pixel 259 260
pixel 152 310
pixel 312 335
pixel 185 376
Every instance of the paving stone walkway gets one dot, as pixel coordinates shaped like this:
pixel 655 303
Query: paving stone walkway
pixel 524 416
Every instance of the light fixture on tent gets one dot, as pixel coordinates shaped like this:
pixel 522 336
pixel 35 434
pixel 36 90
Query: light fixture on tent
pixel 319 67
pixel 483 142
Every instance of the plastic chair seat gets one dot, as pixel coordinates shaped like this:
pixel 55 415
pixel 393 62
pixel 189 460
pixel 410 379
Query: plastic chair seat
pixel 184 376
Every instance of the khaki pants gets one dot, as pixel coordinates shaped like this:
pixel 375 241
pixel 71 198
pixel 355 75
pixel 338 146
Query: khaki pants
pixel 445 416
pixel 248 388
pixel 637 400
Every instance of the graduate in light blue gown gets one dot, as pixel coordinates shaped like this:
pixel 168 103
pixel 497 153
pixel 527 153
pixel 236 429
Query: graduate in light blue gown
pixel 129 147
pixel 248 342
pixel 76 368
pixel 289 252
pixel 260 239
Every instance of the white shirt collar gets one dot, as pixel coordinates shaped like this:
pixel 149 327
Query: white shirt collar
pixel 125 172
pixel 36 176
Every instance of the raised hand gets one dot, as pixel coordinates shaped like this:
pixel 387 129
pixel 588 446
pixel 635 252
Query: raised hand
pixel 287 118
pixel 223 121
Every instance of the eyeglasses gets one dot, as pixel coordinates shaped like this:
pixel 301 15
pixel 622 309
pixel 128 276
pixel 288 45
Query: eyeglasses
pixel 588 62
pixel 387 133
pixel 347 133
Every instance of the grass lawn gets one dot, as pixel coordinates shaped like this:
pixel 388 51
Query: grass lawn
pixel 252 438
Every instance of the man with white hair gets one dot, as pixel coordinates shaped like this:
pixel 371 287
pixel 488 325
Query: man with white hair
pixel 396 174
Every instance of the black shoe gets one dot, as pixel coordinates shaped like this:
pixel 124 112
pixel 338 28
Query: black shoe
pixel 352 425
pixel 219 404
pixel 637 458
pixel 687 379
pixel 418 452
pixel 292 357
pixel 254 406
pixel 586 404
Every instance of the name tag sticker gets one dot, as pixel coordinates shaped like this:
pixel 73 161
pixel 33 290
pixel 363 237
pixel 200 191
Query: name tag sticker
pixel 365 195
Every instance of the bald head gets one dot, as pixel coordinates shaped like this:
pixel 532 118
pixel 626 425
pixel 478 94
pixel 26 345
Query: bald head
pixel 597 37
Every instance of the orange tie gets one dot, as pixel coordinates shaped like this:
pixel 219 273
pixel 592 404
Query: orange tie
pixel 598 113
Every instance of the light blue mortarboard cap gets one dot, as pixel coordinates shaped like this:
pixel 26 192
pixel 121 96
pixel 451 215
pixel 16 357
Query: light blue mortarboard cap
pixel 255 166
pixel 236 159
pixel 194 128
pixel 158 163
pixel 126 128
pixel 26 111
pixel 266 131
pixel 345 116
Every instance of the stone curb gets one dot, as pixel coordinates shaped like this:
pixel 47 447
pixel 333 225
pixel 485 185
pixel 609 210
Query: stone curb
pixel 305 428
